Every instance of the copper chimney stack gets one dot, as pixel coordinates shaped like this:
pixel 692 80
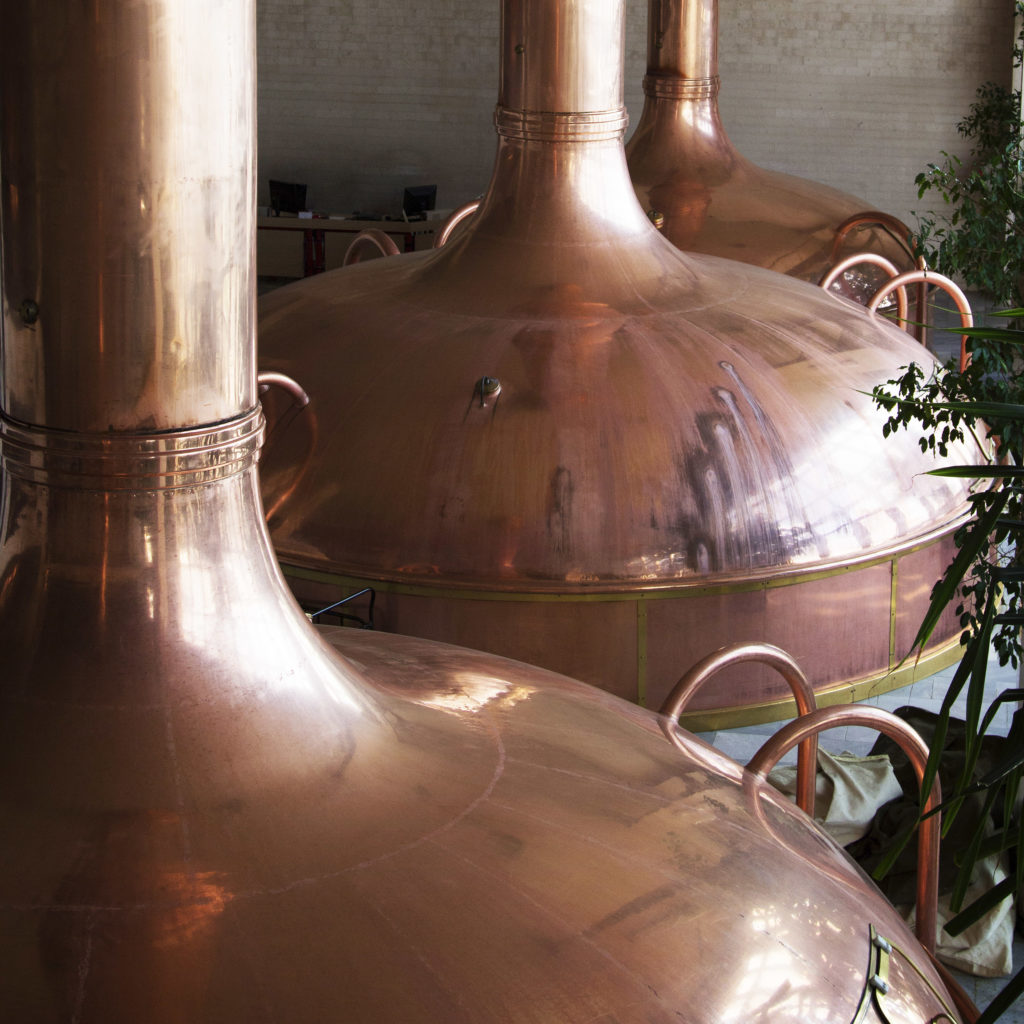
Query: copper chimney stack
pixel 207 816
pixel 711 199
pixel 560 439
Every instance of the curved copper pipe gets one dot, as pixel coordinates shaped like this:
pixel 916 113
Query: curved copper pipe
pixel 925 277
pixel 893 226
pixel 857 258
pixel 917 753
pixel 776 658
pixel 454 221
pixel 366 242
pixel 270 378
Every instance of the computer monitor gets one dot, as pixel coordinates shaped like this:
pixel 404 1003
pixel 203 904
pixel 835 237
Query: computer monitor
pixel 417 200
pixel 287 196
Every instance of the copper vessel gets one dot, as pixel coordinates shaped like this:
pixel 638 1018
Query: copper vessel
pixel 560 439
pixel 711 199
pixel 209 816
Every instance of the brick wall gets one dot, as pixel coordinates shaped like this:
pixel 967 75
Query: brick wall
pixel 361 99
pixel 859 94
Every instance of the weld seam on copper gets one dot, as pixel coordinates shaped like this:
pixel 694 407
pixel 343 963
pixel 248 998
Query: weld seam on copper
pixel 673 87
pixel 156 461
pixel 555 126
pixel 609 590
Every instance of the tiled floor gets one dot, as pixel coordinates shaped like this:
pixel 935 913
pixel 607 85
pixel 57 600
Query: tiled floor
pixel 741 744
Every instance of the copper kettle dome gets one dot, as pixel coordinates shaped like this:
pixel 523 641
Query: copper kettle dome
pixel 561 439
pixel 711 199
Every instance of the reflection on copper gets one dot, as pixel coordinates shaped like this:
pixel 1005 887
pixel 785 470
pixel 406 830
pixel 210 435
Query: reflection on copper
pixel 678 442
pixel 196 903
pixel 712 199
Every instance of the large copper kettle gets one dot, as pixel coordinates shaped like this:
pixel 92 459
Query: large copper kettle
pixel 207 815
pixel 709 198
pixel 559 438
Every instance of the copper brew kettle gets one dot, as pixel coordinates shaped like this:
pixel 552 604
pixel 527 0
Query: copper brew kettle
pixel 560 439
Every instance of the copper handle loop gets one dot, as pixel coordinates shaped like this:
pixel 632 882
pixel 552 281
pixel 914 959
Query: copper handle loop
pixel 366 242
pixel 735 654
pixel 926 276
pixel 874 218
pixel 454 220
pixel 917 752
pixel 270 378
pixel 300 399
pixel 857 258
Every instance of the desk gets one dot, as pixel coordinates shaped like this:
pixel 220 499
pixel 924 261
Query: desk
pixel 294 247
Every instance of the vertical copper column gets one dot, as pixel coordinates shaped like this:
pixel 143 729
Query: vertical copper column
pixel 559 184
pixel 126 236
pixel 711 199
pixel 142 615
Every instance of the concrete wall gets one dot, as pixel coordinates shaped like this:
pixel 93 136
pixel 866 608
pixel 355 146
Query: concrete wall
pixel 360 99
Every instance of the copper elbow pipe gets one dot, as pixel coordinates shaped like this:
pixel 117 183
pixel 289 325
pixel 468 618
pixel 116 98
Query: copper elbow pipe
pixel 454 221
pixel 925 277
pixel 914 747
pixel 858 258
pixel 367 242
pixel 767 654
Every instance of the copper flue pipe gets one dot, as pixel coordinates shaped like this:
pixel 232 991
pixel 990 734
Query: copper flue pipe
pixel 682 39
pixel 561 56
pixel 127 238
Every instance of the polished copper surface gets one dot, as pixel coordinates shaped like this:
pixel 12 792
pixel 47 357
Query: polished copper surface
pixel 711 198
pixel 676 446
pixel 208 814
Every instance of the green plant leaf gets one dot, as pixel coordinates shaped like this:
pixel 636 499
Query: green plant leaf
pixel 981 906
pixel 1009 994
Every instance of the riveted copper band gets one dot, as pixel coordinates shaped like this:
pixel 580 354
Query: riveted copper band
pixel 549 126
pixel 675 88
pixel 114 462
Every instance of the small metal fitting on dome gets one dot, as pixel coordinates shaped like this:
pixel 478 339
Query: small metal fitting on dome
pixel 29 310
pixel 486 387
